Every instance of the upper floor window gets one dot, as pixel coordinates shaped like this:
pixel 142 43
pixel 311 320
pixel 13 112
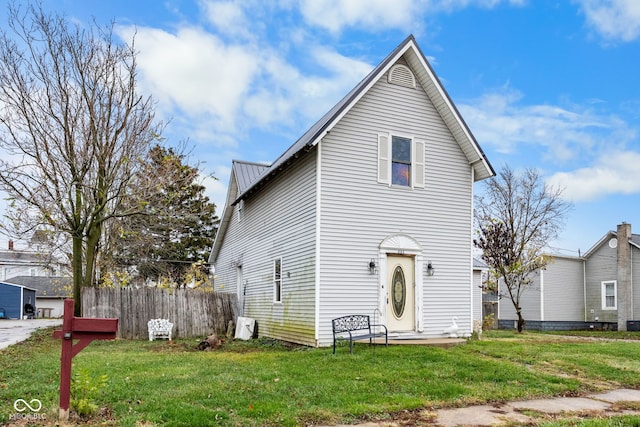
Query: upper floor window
pixel 400 160
pixel 609 295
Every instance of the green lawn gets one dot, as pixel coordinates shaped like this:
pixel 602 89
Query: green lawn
pixel 265 383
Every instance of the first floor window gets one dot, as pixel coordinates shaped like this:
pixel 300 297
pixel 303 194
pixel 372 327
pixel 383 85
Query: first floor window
pixel 277 280
pixel 609 295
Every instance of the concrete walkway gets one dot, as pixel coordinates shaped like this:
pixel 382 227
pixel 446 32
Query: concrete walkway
pixel 14 331
pixel 495 415
pixel 600 404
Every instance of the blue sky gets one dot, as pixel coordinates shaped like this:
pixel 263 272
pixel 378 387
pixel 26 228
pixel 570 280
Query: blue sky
pixel 553 85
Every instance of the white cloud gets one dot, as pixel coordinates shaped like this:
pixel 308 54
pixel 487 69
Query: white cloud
pixel 216 189
pixel 376 15
pixel 228 17
pixel 458 4
pixel 500 120
pixel 194 71
pixel 286 94
pixel 217 90
pixel 614 173
pixel 613 19
pixel 334 15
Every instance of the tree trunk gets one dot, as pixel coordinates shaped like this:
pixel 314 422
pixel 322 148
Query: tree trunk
pixel 521 321
pixel 93 240
pixel 77 274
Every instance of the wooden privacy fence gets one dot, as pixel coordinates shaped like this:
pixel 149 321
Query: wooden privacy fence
pixel 193 313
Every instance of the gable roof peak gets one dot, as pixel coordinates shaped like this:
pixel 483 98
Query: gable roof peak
pixel 427 78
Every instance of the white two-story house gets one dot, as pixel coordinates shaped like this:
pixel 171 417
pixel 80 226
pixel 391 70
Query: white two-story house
pixel 369 212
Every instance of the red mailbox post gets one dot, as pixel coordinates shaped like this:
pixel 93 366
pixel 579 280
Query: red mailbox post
pixel 84 330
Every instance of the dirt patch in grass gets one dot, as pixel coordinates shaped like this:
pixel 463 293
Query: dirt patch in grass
pixel 103 418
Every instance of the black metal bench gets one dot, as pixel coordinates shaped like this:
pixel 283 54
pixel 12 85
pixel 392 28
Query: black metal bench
pixel 353 323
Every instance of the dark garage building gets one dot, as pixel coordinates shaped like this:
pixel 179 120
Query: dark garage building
pixel 14 298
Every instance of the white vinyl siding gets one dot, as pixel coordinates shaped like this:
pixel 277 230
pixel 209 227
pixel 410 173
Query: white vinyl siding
pixel 635 278
pixel 477 294
pixel 564 290
pixel 601 266
pixel 554 294
pixel 609 295
pixel 388 158
pixel 357 213
pixel 278 221
pixel 530 301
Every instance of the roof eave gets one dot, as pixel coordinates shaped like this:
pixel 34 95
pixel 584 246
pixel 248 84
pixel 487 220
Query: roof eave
pixel 450 114
pixel 329 120
pixel 225 220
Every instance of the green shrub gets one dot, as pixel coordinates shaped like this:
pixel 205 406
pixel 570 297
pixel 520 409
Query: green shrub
pixel 84 389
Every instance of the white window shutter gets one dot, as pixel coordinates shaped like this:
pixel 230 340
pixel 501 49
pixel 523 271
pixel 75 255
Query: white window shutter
pixel 384 164
pixel 418 164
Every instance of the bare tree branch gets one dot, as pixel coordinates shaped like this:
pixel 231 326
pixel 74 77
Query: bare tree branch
pixel 75 129
pixel 516 218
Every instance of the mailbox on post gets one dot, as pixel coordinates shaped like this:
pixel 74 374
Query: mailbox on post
pixel 83 330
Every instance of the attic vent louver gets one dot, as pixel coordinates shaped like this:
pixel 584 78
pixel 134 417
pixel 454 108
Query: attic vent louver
pixel 401 75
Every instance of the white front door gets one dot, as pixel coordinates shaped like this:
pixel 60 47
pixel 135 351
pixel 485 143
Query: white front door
pixel 400 293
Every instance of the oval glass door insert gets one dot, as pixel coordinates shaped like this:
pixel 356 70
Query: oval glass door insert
pixel 398 292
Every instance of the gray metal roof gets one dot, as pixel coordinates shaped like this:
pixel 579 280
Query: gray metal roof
pixel 479 264
pixel 247 172
pixel 51 287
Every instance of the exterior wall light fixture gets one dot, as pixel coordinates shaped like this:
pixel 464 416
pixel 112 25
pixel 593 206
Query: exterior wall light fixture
pixel 372 266
pixel 430 270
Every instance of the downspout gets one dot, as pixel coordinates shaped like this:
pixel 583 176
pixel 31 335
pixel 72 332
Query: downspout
pixel 471 260
pixel 584 288
pixel 542 295
pixel 21 303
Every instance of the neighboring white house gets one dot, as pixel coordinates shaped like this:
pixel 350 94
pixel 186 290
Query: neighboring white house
pixel 369 212
pixel 598 289
pixel 27 262
pixel 480 273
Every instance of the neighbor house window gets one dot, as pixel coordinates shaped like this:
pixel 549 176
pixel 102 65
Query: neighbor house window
pixel 609 295
pixel 400 161
pixel 277 280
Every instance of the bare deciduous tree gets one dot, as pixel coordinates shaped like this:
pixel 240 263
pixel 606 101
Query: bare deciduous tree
pixel 74 128
pixel 516 219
